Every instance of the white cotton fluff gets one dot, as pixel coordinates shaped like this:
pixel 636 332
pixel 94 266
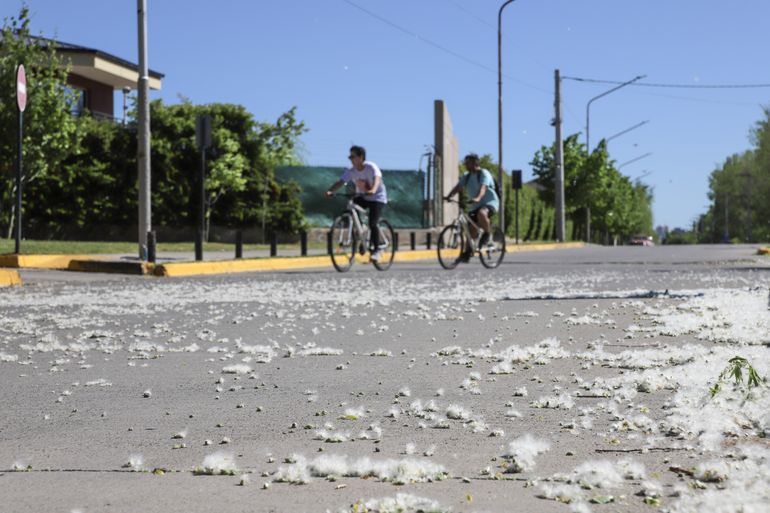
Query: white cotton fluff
pixel 381 352
pixel 217 463
pixel 561 492
pixel 295 473
pixel 403 503
pixel 320 351
pixel 597 474
pixel 456 412
pixel 395 471
pixel 520 392
pixel 8 357
pixel 354 413
pixel 712 472
pixel 522 453
pixel 262 354
pixel 135 462
pixel 237 368
pixel 502 368
pixel 561 402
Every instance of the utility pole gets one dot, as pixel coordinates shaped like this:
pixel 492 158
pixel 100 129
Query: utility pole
pixel 143 132
pixel 500 111
pixel 559 179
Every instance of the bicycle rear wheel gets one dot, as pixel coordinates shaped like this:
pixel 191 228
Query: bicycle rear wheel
pixel 386 246
pixel 451 242
pixel 492 253
pixel 343 243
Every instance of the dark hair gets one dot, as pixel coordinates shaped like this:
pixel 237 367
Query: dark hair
pixel 359 151
pixel 473 157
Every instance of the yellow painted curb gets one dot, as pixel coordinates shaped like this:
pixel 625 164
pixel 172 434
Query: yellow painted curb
pixel 42 261
pixel 9 278
pixel 239 266
pixel 763 251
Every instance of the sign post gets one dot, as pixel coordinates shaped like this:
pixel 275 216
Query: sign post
pixel 516 185
pixel 21 102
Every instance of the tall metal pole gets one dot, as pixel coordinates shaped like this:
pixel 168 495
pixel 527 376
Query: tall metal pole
pixel 588 140
pixel 19 182
pixel 143 132
pixel 559 181
pixel 500 112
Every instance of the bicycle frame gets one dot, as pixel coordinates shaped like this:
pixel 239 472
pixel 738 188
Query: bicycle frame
pixel 464 221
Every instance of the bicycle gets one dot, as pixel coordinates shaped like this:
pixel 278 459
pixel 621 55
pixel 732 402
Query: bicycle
pixel 456 237
pixel 348 236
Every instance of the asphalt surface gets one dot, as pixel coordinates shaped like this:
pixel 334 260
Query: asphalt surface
pixel 569 380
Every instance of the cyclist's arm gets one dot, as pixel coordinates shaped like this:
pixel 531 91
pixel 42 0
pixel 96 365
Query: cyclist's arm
pixel 336 185
pixel 454 191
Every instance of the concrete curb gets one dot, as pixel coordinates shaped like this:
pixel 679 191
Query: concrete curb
pixel 42 261
pixel 91 263
pixel 108 266
pixel 9 278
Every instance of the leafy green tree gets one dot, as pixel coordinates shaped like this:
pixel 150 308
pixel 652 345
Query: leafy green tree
pixel 49 130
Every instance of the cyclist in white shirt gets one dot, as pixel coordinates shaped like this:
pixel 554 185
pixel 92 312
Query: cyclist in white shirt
pixel 370 191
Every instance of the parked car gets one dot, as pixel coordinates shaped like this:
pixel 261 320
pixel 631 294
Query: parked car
pixel 641 240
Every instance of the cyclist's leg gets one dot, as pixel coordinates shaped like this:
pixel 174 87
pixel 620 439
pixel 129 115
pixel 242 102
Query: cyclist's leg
pixel 375 213
pixel 483 215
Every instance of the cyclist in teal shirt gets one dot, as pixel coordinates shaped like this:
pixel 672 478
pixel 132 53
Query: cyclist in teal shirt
pixel 480 189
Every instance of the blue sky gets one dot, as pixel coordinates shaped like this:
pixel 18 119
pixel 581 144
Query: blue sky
pixel 371 77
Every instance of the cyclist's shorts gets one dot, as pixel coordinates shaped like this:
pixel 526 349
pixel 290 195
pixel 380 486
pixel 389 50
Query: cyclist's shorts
pixel 474 215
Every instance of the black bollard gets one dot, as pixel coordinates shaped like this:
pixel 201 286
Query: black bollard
pixel 413 240
pixel 239 244
pixel 303 243
pixel 273 244
pixel 428 237
pixel 395 241
pixel 329 242
pixel 199 245
pixel 151 247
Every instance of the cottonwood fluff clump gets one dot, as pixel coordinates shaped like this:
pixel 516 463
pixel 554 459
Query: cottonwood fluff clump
pixel 218 463
pixel 522 453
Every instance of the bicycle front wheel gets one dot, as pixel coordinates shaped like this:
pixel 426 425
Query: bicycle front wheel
pixel 451 242
pixel 492 253
pixel 386 247
pixel 343 243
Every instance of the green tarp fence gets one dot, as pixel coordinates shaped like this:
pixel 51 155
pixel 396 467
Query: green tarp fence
pixel 406 190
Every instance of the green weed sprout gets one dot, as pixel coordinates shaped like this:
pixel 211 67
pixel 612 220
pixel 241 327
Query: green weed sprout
pixel 734 369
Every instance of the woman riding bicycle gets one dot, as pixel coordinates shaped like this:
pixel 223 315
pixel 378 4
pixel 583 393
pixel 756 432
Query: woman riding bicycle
pixel 371 190
pixel 480 189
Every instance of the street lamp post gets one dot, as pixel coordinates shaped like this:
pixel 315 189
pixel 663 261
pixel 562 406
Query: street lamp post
pixel 500 112
pixel 634 160
pixel 608 139
pixel 588 140
pixel 588 106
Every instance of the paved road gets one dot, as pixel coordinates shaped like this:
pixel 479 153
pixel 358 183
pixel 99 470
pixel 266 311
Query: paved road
pixel 561 381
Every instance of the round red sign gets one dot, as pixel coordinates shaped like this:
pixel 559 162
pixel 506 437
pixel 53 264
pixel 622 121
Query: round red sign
pixel 21 88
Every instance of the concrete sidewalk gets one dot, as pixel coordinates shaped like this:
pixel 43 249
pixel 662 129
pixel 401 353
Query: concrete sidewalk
pixel 172 264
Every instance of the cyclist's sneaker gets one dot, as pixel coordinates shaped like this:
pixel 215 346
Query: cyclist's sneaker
pixel 465 256
pixel 484 239
pixel 376 256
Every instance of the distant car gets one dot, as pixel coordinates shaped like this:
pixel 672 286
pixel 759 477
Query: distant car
pixel 641 240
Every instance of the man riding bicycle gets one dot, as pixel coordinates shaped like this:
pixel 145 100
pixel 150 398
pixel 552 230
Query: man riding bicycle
pixel 370 190
pixel 482 198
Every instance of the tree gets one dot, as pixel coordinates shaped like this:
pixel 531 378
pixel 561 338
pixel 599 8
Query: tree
pixel 49 129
